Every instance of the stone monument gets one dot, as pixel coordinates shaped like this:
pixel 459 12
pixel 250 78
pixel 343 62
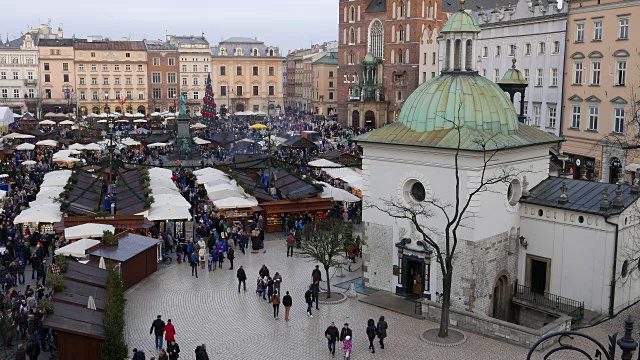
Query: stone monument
pixel 183 118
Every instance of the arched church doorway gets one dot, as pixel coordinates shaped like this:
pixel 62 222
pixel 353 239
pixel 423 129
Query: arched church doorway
pixel 501 299
pixel 370 119
pixel 355 119
pixel 614 170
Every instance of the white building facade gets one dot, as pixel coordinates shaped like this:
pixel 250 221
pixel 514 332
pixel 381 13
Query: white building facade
pixel 19 74
pixel 194 59
pixel 535 34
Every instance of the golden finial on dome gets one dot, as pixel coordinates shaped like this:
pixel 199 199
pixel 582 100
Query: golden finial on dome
pixel 513 61
pixel 461 5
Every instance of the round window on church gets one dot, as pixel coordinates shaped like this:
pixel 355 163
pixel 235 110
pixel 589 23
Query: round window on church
pixel 514 192
pixel 418 192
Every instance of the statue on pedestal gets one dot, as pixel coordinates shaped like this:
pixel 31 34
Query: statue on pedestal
pixel 183 105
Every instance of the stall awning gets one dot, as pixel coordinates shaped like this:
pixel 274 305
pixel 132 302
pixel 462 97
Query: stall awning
pixel 77 249
pixel 89 230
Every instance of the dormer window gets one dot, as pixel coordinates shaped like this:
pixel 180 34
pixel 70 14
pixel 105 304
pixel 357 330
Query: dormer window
pixel 238 52
pixel 222 52
pixel 255 52
pixel 270 52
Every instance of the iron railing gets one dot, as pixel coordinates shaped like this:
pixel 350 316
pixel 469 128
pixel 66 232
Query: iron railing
pixel 573 308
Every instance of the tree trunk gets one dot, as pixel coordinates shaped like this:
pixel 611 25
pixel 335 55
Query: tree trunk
pixel 446 304
pixel 328 283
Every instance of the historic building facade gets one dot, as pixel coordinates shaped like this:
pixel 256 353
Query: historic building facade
pixel 601 89
pixel 19 75
pixel 324 84
pixel 111 75
pixel 535 35
pixel 247 75
pixel 57 75
pixel 372 91
pixel 163 75
pixel 195 68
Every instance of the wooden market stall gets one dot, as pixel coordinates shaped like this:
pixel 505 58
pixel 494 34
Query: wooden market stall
pixel 276 210
pixel 120 222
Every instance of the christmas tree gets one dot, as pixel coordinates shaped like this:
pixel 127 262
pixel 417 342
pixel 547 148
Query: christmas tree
pixel 209 109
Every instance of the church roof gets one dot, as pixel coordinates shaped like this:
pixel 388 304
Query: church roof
pixel 583 196
pixel 460 21
pixel 513 76
pixel 377 6
pixel 471 139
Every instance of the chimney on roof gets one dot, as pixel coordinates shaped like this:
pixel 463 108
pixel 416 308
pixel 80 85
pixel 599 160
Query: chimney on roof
pixel 618 202
pixel 564 198
pixel 525 187
pixel 604 205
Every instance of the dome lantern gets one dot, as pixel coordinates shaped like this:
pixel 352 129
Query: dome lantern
pixel 460 34
pixel 513 82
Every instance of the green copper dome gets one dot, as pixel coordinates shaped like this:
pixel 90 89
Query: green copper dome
pixel 468 99
pixel 369 59
pixel 513 76
pixel 460 22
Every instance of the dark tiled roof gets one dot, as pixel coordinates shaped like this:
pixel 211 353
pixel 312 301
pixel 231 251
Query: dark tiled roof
pixel 377 6
pixel 87 274
pixel 56 42
pixel 584 196
pixel 250 161
pixel 76 320
pixel 299 142
pixel 186 39
pixel 328 59
pixel 129 246
pixel 159 45
pixel 111 45
pixel 130 195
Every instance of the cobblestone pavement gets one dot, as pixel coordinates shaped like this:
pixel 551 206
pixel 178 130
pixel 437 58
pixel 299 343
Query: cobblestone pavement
pixel 241 326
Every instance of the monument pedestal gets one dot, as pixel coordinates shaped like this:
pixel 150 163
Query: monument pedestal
pixel 184 132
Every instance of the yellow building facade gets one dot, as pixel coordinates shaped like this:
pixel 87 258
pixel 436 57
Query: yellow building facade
pixel 110 72
pixel 247 75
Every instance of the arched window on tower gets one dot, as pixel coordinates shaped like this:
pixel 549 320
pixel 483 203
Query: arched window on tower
pixel 447 56
pixel 401 10
pixel 376 39
pixel 352 36
pixel 468 56
pixel 457 55
pixel 352 14
pixel 401 34
pixel 351 62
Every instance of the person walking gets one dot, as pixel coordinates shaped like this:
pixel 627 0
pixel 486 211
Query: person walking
pixel 346 347
pixel 202 257
pixel 194 264
pixel 269 288
pixel 332 336
pixel 308 298
pixel 382 331
pixel 345 332
pixel 156 326
pixel 277 281
pixel 231 254
pixel 201 352
pixel 162 355
pixel 316 276
pixel 242 278
pixel 169 332
pixel 287 301
pixel 290 243
pixel 371 334
pixel 174 350
pixel 275 300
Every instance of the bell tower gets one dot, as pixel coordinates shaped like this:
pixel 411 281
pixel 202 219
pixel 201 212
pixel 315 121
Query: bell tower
pixel 459 36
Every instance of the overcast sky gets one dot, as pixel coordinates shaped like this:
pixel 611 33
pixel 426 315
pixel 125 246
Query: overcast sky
pixel 290 24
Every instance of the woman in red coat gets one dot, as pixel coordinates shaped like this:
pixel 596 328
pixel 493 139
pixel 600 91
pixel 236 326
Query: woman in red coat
pixel 169 332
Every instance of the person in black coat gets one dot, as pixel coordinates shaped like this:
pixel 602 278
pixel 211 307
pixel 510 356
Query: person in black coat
pixel 173 350
pixel 332 336
pixel 242 278
pixel 287 301
pixel 371 334
pixel 231 255
pixel 308 298
pixel 156 326
pixel 345 332
pixel 382 331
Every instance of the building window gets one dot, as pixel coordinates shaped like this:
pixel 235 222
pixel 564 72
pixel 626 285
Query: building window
pixel 618 120
pixel 129 95
pixel 196 81
pixel 575 116
pixel 105 67
pixel 140 68
pixel 81 67
pixel 105 81
pixel 94 67
pixel 127 68
pixel 93 54
pixel 117 95
pixel 593 117
pixel 376 39
pixel 81 81
pixel 16 93
pixel 239 70
pixel 206 68
pixel 196 95
pixel 15 75
pixel 556 47
pixel 223 90
pixel 239 90
pixel 171 78
pixel 94 81
pixel 526 74
pixel 140 96
pixel 117 81
pixel 255 71
pixel 255 91
pixel 537 114
pixel 127 55
pixel 32 93
pixel 272 71
pixel 65 78
pixel 621 73
pixel 94 95
pixel 400 57
pixel 172 61
pixel 185 81
pixel 155 78
pixel 331 84
pixel 223 71
pixel 597 30
pixel 579 32
pixel 527 49
pixel 496 75
pixel 5 93
pixel 184 68
pixel 539 77
pixel 542 47
pixel 46 67
pixel 65 66
pixel 47 93
pixel 272 90
pixel 577 73
pixel 498 50
pixel 554 77
pixel 400 34
pixel 83 95
pixel 195 68
pixel 485 51
pixel 171 93
pixel 595 73
pixel 140 81
pixel 128 81
pixel 47 78
pixel 157 92
pixel 116 67
pixel 552 114
pixel 624 29
pixel 512 50
pixel 156 62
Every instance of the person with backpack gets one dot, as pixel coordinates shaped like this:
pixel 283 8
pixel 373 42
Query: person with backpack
pixel 231 254
pixel 242 278
pixel 290 243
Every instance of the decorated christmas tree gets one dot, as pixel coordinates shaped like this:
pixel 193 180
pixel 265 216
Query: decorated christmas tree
pixel 208 112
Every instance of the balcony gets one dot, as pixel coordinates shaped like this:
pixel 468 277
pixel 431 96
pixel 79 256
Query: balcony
pixel 30 82
pixel 544 300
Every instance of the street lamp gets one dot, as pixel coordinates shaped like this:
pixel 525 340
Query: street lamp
pixel 68 91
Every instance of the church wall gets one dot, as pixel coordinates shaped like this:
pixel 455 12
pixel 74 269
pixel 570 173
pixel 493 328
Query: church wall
pixel 628 287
